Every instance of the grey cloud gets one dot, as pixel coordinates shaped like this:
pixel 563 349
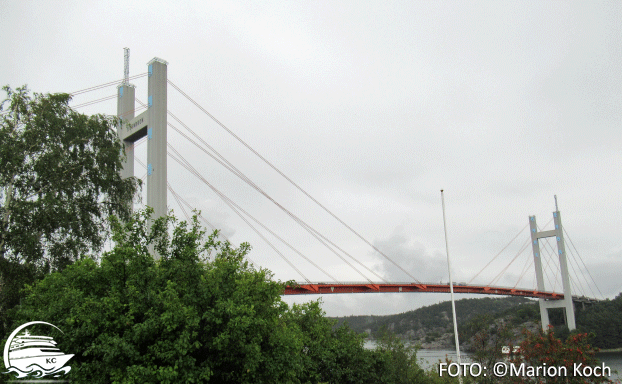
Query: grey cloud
pixel 413 257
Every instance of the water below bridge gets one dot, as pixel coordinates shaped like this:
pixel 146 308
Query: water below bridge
pixel 429 357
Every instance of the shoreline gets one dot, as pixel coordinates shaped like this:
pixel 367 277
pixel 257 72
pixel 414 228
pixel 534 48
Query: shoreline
pixel 613 350
pixel 442 348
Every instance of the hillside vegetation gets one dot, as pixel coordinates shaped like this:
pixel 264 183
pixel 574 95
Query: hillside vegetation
pixel 431 326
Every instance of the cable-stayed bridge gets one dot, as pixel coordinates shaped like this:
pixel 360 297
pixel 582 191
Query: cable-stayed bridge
pixel 148 123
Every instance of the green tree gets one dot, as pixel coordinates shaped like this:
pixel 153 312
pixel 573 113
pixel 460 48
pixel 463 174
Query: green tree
pixel 604 319
pixel 200 314
pixel 59 180
pixel 396 363
pixel 330 354
pixel 488 336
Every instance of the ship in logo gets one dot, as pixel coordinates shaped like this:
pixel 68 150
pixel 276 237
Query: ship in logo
pixel 31 355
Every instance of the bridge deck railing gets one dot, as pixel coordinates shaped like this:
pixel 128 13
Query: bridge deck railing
pixel 405 287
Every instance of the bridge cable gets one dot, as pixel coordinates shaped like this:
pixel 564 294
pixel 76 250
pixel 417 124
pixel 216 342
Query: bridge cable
pixel 494 281
pixel 133 111
pixel 229 166
pixel 576 281
pixel 230 203
pixel 321 238
pixel 576 290
pixel 203 218
pixel 250 225
pixel 522 249
pixel 176 197
pixel 585 279
pixel 137 143
pixel 497 255
pixel 179 200
pixel 199 215
pixel 558 270
pixel 105 85
pixel 525 269
pixel 96 87
pixel 290 180
pixel 550 260
pixel 236 206
pixel 580 258
pixel 572 262
pixel 94 101
pixel 545 254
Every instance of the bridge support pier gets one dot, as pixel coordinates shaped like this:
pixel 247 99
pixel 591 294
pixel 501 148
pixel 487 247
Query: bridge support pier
pixel 151 123
pixel 566 303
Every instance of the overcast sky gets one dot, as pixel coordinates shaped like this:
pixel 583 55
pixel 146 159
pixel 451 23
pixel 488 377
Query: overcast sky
pixel 373 108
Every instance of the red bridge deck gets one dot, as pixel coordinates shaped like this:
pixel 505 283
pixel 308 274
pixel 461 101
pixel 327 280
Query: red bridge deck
pixel 323 288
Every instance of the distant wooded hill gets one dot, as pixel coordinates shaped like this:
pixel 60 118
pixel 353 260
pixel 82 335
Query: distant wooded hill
pixel 604 319
pixel 431 326
pixel 427 324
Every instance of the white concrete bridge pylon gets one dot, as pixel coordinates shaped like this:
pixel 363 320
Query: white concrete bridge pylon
pixel 151 123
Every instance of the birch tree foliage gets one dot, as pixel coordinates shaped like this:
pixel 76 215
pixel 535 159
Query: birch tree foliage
pixel 59 181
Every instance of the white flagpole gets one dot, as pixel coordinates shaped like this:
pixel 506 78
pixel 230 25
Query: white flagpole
pixel 451 290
